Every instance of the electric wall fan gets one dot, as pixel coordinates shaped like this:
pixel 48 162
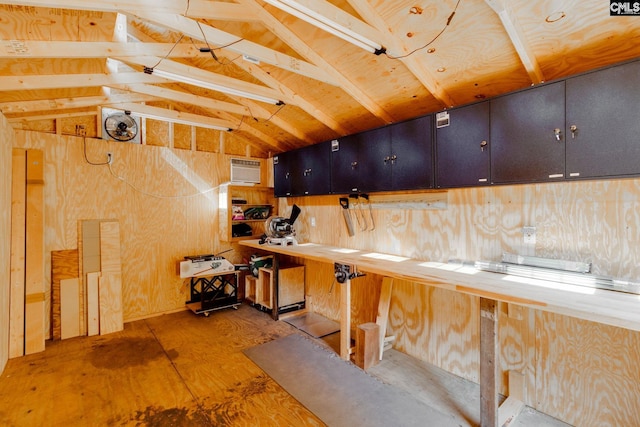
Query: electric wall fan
pixel 121 127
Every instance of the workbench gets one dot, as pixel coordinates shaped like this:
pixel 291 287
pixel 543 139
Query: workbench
pixel 597 305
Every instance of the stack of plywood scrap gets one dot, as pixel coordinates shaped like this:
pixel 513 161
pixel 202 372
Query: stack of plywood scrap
pixel 86 283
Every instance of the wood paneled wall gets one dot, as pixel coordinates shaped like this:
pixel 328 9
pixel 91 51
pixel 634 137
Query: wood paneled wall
pixel 579 371
pixel 6 143
pixel 154 193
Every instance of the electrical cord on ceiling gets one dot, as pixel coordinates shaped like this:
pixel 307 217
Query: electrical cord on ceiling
pixel 157 196
pixel 211 50
pixel 258 120
pixel 168 53
pixel 432 40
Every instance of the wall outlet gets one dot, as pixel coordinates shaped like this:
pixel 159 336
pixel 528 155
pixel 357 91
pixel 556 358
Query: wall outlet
pixel 313 221
pixel 529 235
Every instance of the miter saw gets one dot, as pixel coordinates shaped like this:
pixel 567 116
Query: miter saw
pixel 279 230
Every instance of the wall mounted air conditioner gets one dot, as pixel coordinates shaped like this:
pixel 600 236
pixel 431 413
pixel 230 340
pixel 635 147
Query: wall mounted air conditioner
pixel 245 171
pixel 122 126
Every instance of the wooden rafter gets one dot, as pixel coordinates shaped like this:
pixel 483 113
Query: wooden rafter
pixel 61 81
pixel 215 37
pixel 518 40
pixel 258 110
pixel 175 116
pixel 203 75
pixel 196 8
pixel 291 39
pixel 417 67
pixel 70 103
pixel 66 49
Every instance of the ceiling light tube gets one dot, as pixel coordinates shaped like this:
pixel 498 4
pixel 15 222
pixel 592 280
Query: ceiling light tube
pixel 326 24
pixel 213 86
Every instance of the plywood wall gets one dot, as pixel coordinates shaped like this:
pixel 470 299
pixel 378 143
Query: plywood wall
pixel 579 371
pixel 6 142
pixel 164 199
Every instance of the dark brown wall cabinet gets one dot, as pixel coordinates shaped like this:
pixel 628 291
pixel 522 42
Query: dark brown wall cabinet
pixel 462 147
pixel 527 135
pixel 303 172
pixel 581 127
pixel 603 123
pixel 395 157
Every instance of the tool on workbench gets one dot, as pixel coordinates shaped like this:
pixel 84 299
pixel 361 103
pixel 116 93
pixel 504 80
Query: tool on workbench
pixel 344 202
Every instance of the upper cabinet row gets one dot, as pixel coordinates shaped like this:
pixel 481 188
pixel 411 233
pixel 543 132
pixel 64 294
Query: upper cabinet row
pixel 587 126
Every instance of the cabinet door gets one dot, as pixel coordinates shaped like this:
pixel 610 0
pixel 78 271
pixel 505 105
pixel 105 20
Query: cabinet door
pixel 313 173
pixel 527 135
pixel 412 154
pixel 462 147
pixel 282 177
pixel 374 156
pixel 604 107
pixel 345 165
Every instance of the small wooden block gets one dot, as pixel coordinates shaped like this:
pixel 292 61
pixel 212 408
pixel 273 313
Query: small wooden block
pixel 367 345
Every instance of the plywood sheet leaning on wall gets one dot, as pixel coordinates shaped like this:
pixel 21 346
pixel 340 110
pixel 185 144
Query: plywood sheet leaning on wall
pixel 89 262
pixel 110 281
pixel 18 210
pixel 64 265
pixel 34 260
pixel 69 308
pixel 93 304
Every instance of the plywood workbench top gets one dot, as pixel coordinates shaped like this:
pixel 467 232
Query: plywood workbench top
pixel 602 306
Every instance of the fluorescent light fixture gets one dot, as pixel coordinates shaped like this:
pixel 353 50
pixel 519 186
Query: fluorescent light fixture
pixel 213 86
pixel 326 24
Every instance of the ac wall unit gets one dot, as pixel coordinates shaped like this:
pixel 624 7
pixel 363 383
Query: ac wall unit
pixel 245 171
pixel 121 126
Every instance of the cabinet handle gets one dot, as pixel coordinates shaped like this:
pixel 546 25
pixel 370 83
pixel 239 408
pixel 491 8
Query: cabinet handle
pixel 307 172
pixel 354 165
pixel 393 159
pixel 386 159
pixel 574 130
pixel 558 134
pixel 483 144
pixel 287 175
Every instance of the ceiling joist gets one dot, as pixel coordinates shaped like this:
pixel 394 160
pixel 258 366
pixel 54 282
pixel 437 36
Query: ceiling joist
pixel 57 49
pixel 518 40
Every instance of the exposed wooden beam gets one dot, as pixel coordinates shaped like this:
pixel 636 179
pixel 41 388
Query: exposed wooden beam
pixel 219 11
pixel 185 98
pixel 232 43
pixel 197 8
pixel 52 116
pixel 174 116
pixel 518 40
pixel 415 65
pixel 69 103
pixel 204 76
pixel 291 39
pixel 256 109
pixel 66 49
pixel 60 81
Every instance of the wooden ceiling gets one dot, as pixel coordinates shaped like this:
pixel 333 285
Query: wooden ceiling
pixel 63 60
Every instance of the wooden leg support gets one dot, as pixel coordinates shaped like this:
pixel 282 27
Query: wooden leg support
pixel 488 362
pixel 345 319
